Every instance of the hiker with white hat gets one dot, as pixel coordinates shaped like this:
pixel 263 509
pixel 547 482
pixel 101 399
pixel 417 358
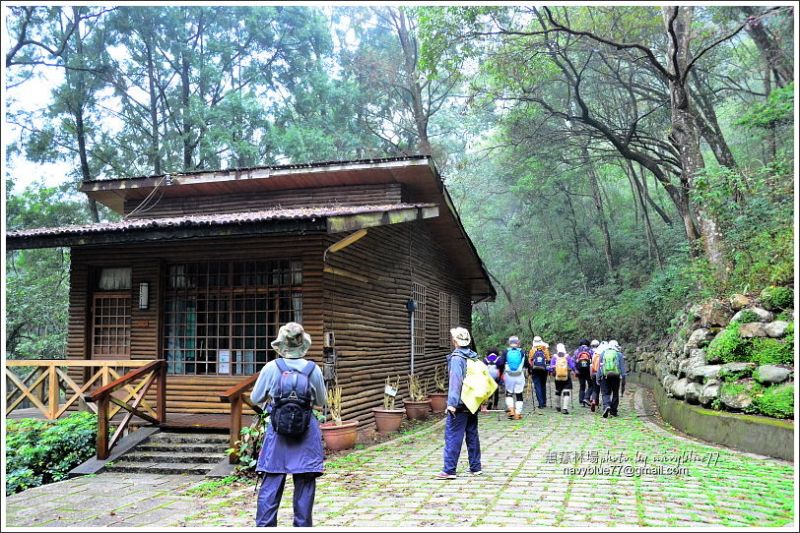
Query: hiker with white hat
pixel 594 386
pixel 515 363
pixel 460 424
pixel 562 367
pixel 293 442
pixel 612 374
pixel 538 360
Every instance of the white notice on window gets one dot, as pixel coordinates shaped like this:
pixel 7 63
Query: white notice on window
pixel 223 362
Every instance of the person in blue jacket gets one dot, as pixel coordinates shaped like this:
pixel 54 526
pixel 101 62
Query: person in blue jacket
pixel 460 423
pixel 281 455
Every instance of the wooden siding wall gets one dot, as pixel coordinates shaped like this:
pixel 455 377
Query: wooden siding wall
pixel 370 320
pixel 195 394
pixel 233 203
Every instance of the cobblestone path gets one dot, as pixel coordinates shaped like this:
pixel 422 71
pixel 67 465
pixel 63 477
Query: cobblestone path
pixel 540 471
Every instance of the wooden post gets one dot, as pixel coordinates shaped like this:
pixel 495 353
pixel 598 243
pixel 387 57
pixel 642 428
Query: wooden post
pixel 102 428
pixel 52 406
pixel 161 393
pixel 237 404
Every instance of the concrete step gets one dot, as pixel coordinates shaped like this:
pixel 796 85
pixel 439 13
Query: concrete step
pixel 181 447
pixel 139 456
pixel 199 469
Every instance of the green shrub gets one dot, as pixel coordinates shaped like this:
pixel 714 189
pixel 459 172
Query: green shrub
pixel 777 297
pixel 747 316
pixel 728 346
pixel 777 401
pixel 40 451
pixel 249 446
pixel 764 351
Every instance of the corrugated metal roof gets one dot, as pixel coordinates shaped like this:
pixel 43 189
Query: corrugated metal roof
pixel 246 217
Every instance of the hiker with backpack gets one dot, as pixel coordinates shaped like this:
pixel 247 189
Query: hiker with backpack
pixel 292 441
pixel 583 365
pixel 538 361
pixel 562 368
pixel 461 424
pixel 594 393
pixel 491 361
pixel 612 376
pixel 515 364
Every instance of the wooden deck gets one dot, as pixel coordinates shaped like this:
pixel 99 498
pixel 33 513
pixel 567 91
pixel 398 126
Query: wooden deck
pixel 176 421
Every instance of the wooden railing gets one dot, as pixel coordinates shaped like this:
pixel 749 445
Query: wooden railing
pixel 152 372
pixel 238 397
pixel 49 387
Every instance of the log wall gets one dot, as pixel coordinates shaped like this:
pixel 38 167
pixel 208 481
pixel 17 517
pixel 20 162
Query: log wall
pixel 378 194
pixel 370 320
pixel 186 394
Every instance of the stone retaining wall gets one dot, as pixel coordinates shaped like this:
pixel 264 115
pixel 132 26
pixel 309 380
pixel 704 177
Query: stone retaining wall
pixel 748 433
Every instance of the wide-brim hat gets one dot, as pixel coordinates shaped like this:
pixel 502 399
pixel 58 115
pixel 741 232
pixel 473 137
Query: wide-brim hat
pixel 560 348
pixel 537 339
pixel 461 336
pixel 292 342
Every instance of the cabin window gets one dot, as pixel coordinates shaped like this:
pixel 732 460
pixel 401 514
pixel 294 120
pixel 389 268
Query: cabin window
pixel 444 319
pixel 221 316
pixel 111 325
pixel 420 317
pixel 111 314
pixel 455 311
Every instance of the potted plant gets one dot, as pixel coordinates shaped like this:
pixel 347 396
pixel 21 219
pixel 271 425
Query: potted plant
pixel 338 435
pixel 387 420
pixel 417 406
pixel 439 398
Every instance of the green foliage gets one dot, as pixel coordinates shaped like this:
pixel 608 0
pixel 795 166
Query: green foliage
pixel 748 316
pixel 728 345
pixel 213 488
pixel 764 351
pixel 776 401
pixel 40 452
pixel 777 297
pixel 778 109
pixel 249 446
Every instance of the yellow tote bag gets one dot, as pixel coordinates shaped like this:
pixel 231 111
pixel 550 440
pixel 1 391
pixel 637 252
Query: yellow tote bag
pixel 478 385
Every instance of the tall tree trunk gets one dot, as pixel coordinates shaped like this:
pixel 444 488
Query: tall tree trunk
pixel 598 205
pixel 770 50
pixel 684 134
pixel 772 139
pixel 155 149
pixel 78 104
pixel 186 127
pixel 408 44
pixel 652 243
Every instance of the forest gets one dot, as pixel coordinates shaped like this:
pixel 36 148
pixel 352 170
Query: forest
pixel 611 164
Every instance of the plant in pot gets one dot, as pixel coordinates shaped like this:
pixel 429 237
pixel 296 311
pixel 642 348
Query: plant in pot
pixel 338 435
pixel 387 420
pixel 439 398
pixel 417 406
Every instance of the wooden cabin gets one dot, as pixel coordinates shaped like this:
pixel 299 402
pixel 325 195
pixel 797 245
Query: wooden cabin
pixel 204 267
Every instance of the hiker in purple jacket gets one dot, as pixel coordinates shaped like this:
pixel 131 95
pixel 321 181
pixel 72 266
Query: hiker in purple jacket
pixel 583 365
pixel 562 383
pixel 495 365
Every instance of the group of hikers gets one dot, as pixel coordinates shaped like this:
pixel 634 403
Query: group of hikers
pixel 599 367
pixel 293 443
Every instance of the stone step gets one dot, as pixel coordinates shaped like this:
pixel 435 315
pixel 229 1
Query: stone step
pixel 181 447
pixel 199 469
pixel 189 438
pixel 140 456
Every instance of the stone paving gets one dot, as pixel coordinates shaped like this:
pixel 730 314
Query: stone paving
pixel 537 472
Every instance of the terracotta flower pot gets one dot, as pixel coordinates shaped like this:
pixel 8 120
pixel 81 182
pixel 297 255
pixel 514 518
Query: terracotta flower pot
pixel 438 401
pixel 339 437
pixel 387 420
pixel 417 410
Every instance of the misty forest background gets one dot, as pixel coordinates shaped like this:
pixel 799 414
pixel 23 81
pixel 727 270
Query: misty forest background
pixel 611 164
